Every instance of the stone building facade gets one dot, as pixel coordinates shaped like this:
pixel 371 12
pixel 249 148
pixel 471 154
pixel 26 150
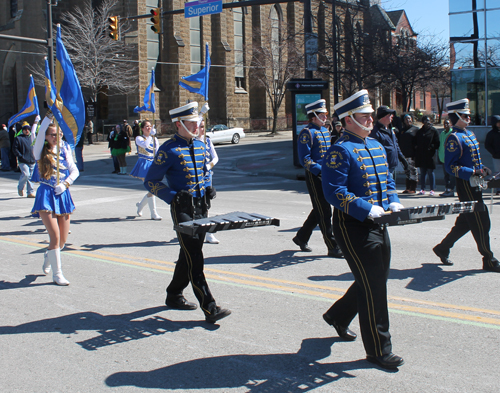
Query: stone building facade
pixel 235 98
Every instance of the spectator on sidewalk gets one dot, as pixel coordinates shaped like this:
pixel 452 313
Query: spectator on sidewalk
pixel 5 148
pixel 449 180
pixel 79 153
pixel 12 156
pixel 426 143
pixel 405 139
pixel 111 146
pixel 89 130
pixel 24 153
pixel 492 142
pixel 384 133
pixel 136 130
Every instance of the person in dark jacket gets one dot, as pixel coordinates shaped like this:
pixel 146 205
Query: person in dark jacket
pixel 492 142
pixel 111 145
pixel 405 140
pixel 12 156
pixel 383 132
pixel 23 150
pixel 426 143
pixel 120 148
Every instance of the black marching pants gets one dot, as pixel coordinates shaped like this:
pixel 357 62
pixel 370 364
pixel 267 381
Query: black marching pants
pixel 478 222
pixel 320 214
pixel 189 266
pixel 367 249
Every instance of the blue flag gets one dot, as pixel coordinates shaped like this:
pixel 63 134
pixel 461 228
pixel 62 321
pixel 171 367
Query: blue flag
pixel 149 97
pixel 198 83
pixel 69 95
pixel 29 108
pixel 50 96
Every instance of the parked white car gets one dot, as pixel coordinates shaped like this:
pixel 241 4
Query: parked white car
pixel 220 133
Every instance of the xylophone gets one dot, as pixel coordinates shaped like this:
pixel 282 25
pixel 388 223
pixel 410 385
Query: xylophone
pixel 418 214
pixel 224 222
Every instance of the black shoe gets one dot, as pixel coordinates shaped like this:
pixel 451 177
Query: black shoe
pixel 343 332
pixel 115 172
pixel 389 361
pixel 216 314
pixel 303 245
pixel 335 253
pixel 492 266
pixel 180 303
pixel 442 255
pixel 447 193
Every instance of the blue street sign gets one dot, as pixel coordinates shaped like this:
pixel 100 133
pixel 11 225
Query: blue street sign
pixel 202 7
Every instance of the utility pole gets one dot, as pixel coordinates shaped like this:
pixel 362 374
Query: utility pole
pixel 307 35
pixel 334 49
pixel 50 41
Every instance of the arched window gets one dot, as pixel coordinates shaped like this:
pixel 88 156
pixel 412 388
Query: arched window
pixel 195 39
pixel 276 17
pixel 239 44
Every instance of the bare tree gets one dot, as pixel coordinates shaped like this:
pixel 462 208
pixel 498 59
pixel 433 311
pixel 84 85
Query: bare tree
pixel 440 86
pixel 274 62
pixel 103 65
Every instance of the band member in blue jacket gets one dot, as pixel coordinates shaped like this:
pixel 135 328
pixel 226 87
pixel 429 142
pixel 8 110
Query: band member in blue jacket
pixel 356 181
pixel 313 142
pixel 463 160
pixel 188 191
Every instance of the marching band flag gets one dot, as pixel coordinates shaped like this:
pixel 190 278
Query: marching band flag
pixel 69 95
pixel 149 97
pixel 30 107
pixel 50 90
pixel 198 83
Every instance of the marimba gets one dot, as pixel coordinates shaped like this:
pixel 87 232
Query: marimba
pixel 418 214
pixel 225 222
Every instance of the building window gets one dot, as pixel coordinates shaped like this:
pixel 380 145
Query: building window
pixel 195 44
pixel 239 43
pixel 275 39
pixel 422 101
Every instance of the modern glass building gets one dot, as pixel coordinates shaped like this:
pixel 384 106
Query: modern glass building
pixel 475 56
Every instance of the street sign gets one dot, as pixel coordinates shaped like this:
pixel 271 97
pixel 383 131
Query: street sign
pixel 202 7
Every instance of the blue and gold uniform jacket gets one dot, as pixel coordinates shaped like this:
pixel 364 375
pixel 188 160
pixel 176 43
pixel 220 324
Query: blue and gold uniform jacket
pixel 182 161
pixel 461 154
pixel 313 143
pixel 356 176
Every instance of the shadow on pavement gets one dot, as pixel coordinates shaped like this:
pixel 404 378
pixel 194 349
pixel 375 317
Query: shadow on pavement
pixel 425 278
pixel 112 329
pixel 285 372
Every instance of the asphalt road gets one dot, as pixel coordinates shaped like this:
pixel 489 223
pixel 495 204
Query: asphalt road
pixel 109 330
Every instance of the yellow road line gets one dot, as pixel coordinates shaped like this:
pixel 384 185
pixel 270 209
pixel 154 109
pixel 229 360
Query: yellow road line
pixel 276 284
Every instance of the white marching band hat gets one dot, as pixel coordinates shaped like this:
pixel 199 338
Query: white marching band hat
pixel 316 106
pixel 357 103
pixel 188 112
pixel 460 106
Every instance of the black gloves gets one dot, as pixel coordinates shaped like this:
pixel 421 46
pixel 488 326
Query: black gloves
pixel 183 197
pixel 211 193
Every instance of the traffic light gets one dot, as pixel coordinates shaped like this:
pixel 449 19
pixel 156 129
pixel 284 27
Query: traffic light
pixel 113 27
pixel 156 19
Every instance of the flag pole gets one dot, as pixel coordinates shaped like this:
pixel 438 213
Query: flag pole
pixel 57 152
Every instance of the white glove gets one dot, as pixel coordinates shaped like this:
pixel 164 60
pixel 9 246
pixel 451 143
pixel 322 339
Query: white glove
pixel 376 212
pixel 37 119
pixel 396 206
pixel 204 109
pixel 153 131
pixel 60 188
pixel 476 181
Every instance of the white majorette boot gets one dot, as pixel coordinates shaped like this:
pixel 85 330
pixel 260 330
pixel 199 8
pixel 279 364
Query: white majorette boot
pixel 54 257
pixel 152 208
pixel 140 205
pixel 210 238
pixel 46 262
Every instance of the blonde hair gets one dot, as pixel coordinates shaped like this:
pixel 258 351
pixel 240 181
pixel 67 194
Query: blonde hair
pixel 48 158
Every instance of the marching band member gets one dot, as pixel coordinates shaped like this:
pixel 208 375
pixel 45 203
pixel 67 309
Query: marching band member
pixel 212 158
pixel 147 145
pixel 357 182
pixel 53 200
pixel 313 142
pixel 182 160
pixel 463 160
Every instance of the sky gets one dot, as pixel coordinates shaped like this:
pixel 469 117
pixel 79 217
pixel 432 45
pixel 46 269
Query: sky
pixel 428 18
